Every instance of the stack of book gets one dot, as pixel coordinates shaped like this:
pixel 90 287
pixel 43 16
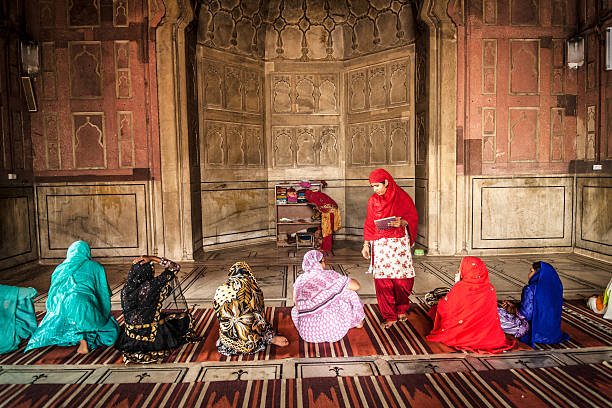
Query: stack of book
pixel 301 196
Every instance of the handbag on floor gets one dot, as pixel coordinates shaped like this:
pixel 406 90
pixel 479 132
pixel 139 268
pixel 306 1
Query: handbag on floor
pixel 432 298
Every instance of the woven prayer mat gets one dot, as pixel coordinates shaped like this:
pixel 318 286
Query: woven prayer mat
pixel 403 338
pixel 588 385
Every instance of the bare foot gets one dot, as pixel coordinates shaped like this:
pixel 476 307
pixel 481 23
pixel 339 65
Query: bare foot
pixel 387 323
pixel 402 317
pixel 279 341
pixel 82 347
pixel 360 325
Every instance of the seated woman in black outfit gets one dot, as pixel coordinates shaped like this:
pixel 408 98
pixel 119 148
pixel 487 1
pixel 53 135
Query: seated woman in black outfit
pixel 149 333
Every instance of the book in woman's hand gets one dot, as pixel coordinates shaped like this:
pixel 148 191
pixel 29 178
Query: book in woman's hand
pixel 384 223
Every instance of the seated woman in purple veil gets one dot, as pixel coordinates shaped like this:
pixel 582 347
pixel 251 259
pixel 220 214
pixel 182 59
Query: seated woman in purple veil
pixel 537 319
pixel 326 302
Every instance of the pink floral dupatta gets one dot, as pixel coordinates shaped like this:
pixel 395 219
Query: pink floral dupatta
pixel 316 288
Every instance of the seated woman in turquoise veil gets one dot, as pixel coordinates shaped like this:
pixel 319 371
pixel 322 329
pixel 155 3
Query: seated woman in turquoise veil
pixel 17 317
pixel 78 305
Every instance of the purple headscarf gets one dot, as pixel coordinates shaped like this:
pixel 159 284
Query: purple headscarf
pixel 317 287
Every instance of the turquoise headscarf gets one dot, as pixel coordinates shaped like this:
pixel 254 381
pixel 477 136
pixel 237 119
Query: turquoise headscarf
pixel 17 317
pixel 78 306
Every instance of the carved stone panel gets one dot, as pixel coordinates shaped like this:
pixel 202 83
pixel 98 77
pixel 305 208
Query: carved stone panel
pixel 233 89
pixel 377 89
pixel 399 141
pixel 252 91
pixel 120 13
pixel 281 94
pixel 215 144
pixel 378 142
pixel 357 91
pixel 489 12
pixel 358 145
pixel 213 95
pixel 47 13
pixel 525 12
pixel 557 80
pixel 523 134
pixel 123 79
pixel 421 138
pixel 329 146
pixel 235 145
pixel 489 66
pixel 88 140
pixel 489 135
pixel 591 128
pixel 558 10
pixel 85 69
pixel 305 93
pixel 399 83
pixel 306 149
pixel 282 145
pixel 52 141
pixel 305 146
pixel 255 147
pixel 557 134
pixel 524 67
pixel 83 13
pixel 125 132
pixel 328 89
pixel 49 71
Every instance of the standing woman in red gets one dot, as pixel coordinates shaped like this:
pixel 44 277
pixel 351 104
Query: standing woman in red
pixel 467 317
pixel 389 249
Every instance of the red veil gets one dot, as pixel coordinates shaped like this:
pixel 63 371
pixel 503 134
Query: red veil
pixel 467 316
pixel 394 203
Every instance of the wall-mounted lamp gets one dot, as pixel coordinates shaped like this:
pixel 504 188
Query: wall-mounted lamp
pixel 30 61
pixel 575 52
pixel 30 64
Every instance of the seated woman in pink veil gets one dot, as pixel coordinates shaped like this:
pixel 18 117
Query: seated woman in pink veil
pixel 326 302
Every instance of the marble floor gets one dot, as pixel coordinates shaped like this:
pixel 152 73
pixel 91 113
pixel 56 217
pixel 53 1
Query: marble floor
pixel 276 270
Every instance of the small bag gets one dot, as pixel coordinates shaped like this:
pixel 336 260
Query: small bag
pixel 433 297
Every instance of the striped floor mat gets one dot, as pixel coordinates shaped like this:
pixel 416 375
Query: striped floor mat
pixel 585 329
pixel 588 385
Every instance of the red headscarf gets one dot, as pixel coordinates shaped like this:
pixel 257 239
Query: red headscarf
pixel 394 203
pixel 467 316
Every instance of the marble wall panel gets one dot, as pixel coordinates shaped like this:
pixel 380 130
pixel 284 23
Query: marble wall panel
pixel 304 93
pixel 89 140
pixel 489 135
pixel 110 217
pixel 123 74
pixel 524 66
pixel 557 134
pixel 230 87
pixel 83 13
pixel 489 66
pixel 121 10
pixel 232 145
pixel 380 142
pixel 594 214
pixel 85 69
pixel 557 80
pixel 524 130
pixel 305 146
pixel 48 71
pixel 234 211
pixel 506 215
pixel 524 13
pixel 380 86
pixel 17 229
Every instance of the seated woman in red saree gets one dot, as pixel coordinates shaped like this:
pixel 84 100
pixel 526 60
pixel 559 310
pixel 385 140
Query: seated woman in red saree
pixel 467 318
